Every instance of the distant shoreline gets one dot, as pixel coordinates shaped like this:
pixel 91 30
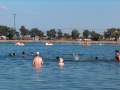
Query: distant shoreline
pixel 64 41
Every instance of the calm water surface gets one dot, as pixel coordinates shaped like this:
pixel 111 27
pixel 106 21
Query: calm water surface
pixel 17 73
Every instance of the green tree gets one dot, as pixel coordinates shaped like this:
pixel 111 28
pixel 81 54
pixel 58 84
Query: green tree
pixel 109 33
pixel 11 33
pixel 67 36
pixel 51 34
pixel 59 34
pixel 36 32
pixel 116 34
pixel 24 31
pixel 95 36
pixel 4 30
pixel 86 33
pixel 75 34
pixel 112 33
pixel 7 31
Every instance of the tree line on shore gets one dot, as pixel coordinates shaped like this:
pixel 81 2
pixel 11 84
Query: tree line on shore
pixel 57 34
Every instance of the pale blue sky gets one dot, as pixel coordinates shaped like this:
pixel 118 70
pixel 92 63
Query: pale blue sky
pixel 65 14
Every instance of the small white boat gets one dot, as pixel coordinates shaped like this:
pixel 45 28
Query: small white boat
pixel 48 44
pixel 20 44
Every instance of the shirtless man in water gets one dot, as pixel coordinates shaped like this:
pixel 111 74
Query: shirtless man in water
pixel 37 61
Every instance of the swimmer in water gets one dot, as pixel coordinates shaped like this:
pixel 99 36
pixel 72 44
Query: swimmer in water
pixel 61 62
pixel 37 61
pixel 76 56
pixel 23 54
pixel 117 55
pixel 10 54
pixel 14 54
pixel 96 58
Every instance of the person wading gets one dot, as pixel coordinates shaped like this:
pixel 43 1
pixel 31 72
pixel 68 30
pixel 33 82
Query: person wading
pixel 37 61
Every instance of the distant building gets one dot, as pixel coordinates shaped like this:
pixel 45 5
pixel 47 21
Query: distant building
pixel 86 39
pixel 36 38
pixel 27 37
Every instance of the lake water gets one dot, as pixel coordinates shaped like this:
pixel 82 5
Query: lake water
pixel 87 73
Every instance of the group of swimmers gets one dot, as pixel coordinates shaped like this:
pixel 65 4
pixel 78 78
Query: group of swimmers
pixel 38 61
pixel 14 54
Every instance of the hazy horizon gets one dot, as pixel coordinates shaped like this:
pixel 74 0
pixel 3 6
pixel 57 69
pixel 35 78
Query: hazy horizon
pixel 66 15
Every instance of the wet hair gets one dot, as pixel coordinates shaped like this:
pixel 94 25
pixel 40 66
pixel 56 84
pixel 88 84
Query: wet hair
pixel 14 54
pixel 10 54
pixel 116 50
pixel 23 52
pixel 96 58
pixel 57 57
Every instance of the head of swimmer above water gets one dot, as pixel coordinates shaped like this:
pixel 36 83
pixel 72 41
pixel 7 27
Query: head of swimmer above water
pixel 23 52
pixel 116 51
pixel 12 54
pixel 57 57
pixel 37 53
pixel 61 60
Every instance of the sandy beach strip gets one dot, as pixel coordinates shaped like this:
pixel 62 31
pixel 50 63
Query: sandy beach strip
pixel 63 41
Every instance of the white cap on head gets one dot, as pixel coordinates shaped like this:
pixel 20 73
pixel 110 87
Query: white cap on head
pixel 37 53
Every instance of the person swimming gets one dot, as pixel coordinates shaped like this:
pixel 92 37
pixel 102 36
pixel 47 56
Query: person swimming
pixel 61 62
pixel 96 58
pixel 23 53
pixel 12 54
pixel 76 56
pixel 37 61
pixel 117 55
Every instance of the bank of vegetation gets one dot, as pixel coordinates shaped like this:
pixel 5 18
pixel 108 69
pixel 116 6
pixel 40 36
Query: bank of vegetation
pixel 23 33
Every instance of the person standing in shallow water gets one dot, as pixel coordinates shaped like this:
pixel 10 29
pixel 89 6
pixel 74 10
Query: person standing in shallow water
pixel 117 55
pixel 37 61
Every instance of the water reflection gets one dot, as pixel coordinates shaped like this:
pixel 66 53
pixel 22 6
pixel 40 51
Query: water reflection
pixel 37 72
pixel 61 67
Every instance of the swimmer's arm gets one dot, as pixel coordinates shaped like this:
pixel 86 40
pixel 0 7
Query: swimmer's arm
pixel 33 63
pixel 42 61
